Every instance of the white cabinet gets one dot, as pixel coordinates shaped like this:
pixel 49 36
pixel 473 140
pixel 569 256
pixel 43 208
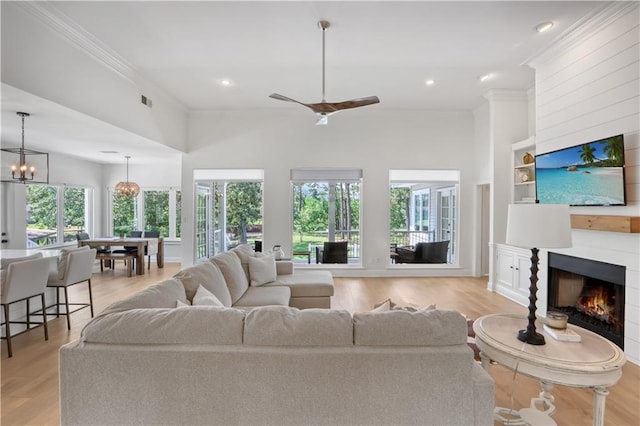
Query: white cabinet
pixel 524 171
pixel 513 270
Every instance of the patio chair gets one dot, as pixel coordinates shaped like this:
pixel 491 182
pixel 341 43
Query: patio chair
pixel 333 252
pixel 434 252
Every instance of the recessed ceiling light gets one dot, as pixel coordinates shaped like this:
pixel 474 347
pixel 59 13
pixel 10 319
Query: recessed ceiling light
pixel 544 26
pixel 430 82
pixel 225 82
pixel 484 77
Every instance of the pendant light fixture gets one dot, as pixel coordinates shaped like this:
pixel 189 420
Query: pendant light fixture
pixel 24 165
pixel 127 189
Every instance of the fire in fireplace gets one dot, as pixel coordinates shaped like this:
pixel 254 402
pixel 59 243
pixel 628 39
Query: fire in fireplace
pixel 591 293
pixel 598 301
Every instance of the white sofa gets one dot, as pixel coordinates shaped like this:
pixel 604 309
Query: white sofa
pixel 273 283
pixel 146 361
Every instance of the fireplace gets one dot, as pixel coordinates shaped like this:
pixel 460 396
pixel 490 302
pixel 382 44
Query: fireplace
pixel 591 293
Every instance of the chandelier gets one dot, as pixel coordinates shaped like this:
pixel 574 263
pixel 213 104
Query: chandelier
pixel 23 163
pixel 127 189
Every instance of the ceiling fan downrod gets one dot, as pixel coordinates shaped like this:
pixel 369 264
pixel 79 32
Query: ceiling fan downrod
pixel 323 25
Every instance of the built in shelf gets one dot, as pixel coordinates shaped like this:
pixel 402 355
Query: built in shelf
pixel 627 224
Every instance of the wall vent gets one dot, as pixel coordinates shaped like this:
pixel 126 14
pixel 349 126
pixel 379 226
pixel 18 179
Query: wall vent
pixel 145 101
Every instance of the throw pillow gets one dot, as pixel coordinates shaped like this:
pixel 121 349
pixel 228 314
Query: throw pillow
pixel 204 297
pixel 388 305
pixel 262 270
pixel 181 304
pixel 382 307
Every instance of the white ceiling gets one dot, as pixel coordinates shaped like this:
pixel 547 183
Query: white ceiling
pixel 378 48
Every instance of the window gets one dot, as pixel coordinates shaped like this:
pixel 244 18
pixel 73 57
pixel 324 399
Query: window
pixel 55 214
pixel 151 210
pixel 125 214
pixel 326 208
pixel 228 209
pixel 156 212
pixel 423 207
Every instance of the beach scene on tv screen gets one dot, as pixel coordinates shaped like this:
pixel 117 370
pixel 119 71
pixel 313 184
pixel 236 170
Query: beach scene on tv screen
pixel 588 174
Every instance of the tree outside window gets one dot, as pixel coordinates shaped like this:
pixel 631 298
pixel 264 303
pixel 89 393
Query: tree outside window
pixel 44 204
pixel 156 212
pixel 42 215
pixel 124 210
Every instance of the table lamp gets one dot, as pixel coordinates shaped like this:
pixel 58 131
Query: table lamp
pixel 536 226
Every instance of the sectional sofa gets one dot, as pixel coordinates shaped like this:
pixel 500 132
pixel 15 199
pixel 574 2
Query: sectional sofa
pixel 200 349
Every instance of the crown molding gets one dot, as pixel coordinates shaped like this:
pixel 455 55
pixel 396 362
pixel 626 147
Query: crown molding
pixel 576 34
pixel 53 18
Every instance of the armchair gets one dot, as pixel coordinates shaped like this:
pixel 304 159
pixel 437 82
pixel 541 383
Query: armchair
pixel 332 252
pixel 435 252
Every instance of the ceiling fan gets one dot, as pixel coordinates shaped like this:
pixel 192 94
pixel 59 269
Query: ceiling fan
pixel 324 109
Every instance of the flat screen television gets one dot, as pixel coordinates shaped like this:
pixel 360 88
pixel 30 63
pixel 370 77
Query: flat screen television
pixel 589 174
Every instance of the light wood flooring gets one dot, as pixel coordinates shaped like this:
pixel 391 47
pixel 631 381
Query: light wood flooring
pixel 30 379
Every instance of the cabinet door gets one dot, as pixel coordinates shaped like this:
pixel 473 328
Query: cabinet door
pixel 523 265
pixel 505 268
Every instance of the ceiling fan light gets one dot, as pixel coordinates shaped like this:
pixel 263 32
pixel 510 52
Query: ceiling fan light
pixel 322 119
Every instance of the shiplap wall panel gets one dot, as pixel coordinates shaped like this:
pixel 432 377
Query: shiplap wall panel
pixel 593 65
pixel 591 40
pixel 597 115
pixel 588 88
pixel 617 84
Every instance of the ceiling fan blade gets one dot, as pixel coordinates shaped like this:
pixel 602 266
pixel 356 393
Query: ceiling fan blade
pixel 283 98
pixel 326 107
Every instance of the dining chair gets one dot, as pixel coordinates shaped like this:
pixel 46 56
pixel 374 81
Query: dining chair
pixel 152 246
pixel 23 279
pixel 80 236
pixel 130 249
pixel 75 266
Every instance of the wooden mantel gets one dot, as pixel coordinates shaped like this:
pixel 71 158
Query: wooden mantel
pixel 627 224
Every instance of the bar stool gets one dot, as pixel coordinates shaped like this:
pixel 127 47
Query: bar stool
pixel 75 265
pixel 23 279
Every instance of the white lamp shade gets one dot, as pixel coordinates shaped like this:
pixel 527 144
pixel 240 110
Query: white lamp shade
pixel 539 226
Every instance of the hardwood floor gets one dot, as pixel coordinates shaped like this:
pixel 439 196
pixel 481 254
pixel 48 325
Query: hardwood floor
pixel 30 379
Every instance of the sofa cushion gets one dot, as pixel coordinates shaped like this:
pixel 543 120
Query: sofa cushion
pixel 204 297
pixel 167 326
pixel 425 327
pixel 208 275
pixel 307 283
pixel 235 277
pixel 161 295
pixel 262 270
pixel 262 296
pixel 286 326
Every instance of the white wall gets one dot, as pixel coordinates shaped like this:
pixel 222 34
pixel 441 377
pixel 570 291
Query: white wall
pixel 588 88
pixel 366 139
pixel 36 59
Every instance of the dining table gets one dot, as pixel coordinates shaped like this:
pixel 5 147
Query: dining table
pixel 138 243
